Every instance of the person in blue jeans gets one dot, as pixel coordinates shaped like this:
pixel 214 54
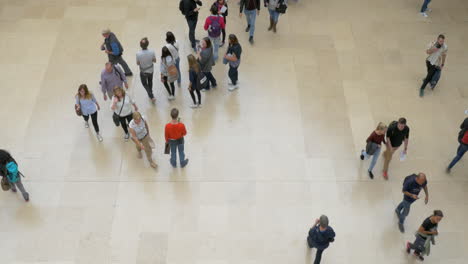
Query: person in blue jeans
pixel 412 185
pixel 251 8
pixel 274 15
pixel 424 8
pixel 374 142
pixel 463 148
pixel 320 236
pixel 174 133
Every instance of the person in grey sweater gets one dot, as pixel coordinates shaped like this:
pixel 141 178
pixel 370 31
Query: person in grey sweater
pixel 111 77
pixel 206 60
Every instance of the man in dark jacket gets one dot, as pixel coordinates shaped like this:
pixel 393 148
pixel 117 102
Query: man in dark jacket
pixel 190 9
pixel 114 50
pixel 463 148
pixel 251 9
pixel 320 237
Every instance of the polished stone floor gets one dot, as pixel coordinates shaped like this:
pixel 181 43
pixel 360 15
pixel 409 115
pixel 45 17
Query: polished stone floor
pixel 265 161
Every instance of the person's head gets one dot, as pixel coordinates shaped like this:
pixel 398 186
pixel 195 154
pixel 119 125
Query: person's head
pixel 233 39
pixel 170 38
pixel 205 43
pixel 193 63
pixel 136 117
pixel 108 67
pixel 401 123
pixel 165 52
pixel 441 39
pixel 437 216
pixel 214 10
pixel 381 128
pixel 106 32
pixel 119 92
pixel 221 2
pixel 174 113
pixel 144 43
pixel 323 221
pixel 83 91
pixel 421 178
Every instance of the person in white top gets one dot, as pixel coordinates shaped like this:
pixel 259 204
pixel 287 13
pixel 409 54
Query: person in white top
pixel 437 50
pixel 146 58
pixel 141 136
pixel 173 47
pixel 169 72
pixel 122 106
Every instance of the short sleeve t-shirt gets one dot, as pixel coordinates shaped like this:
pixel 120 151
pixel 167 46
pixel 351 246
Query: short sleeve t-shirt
pixel 140 129
pixel 396 135
pixel 145 58
pixel 436 57
pixel 127 106
pixel 428 225
pixel 410 185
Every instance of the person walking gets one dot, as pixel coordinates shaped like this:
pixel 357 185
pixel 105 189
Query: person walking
pixel 174 133
pixel 437 51
pixel 272 6
pixel 11 175
pixel 86 104
pixel 140 135
pixel 206 59
pixel 194 86
pixel 189 9
pixel 173 46
pixel 214 24
pixel 111 77
pixel 373 146
pixel 233 58
pixel 169 73
pixel 122 106
pixel 251 9
pixel 397 132
pixel 222 7
pixel 425 8
pixel 412 185
pixel 114 50
pixel 425 234
pixel 320 236
pixel 463 148
pixel 145 59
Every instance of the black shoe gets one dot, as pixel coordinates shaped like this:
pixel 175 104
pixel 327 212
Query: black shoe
pixel 448 170
pixel 129 74
pixel 362 155
pixel 222 44
pixel 251 40
pixel 421 258
pixel 371 175
pixel 247 28
pixel 401 227
pixel 408 248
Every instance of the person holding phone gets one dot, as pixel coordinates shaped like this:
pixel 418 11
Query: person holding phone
pixel 320 236
pixel 412 185
pixel 436 50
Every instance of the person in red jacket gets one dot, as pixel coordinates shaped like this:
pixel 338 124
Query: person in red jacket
pixel 463 148
pixel 174 133
pixel 214 24
pixel 373 146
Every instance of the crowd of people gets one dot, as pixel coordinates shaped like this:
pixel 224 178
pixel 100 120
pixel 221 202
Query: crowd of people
pixel 114 86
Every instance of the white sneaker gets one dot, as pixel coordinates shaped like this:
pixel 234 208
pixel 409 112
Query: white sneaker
pixel 199 105
pixel 193 106
pixel 99 137
pixel 232 88
pixel 424 14
pixel 126 137
pixel 428 10
pixel 86 124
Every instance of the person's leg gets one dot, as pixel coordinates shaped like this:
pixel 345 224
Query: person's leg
pixel 215 42
pixel 231 75
pixel 436 77
pixel 462 149
pixel 211 79
pixel 124 65
pixel 166 85
pixel 223 32
pixel 20 186
pixel 192 94
pixel 405 211
pixel 86 119
pixel 123 124
pixel 172 88
pixel 94 119
pixel 430 73
pixel 271 19
pixel 182 159
pixel 424 6
pixel 177 64
pixel 199 96
pixel 148 150
pixel 144 81
pixel 192 24
pixel 253 17
pixel 318 256
pixel 387 158
pixel 150 85
pixel 247 18
pixel 275 20
pixel 375 157
pixel 173 145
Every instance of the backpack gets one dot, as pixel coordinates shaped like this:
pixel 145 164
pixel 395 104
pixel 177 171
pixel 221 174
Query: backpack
pixel 182 7
pixel 12 171
pixel 214 30
pixel 282 7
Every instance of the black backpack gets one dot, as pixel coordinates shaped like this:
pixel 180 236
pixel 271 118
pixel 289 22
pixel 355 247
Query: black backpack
pixel 182 7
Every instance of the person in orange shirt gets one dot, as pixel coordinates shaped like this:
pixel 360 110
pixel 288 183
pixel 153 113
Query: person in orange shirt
pixel 174 133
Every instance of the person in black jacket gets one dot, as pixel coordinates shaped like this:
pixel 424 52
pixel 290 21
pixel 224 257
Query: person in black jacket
pixel 463 148
pixel 251 9
pixel 320 236
pixel 190 10
pixel 114 50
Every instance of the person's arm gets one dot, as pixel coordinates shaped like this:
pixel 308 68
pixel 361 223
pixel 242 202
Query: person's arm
pixel 199 3
pixel 369 138
pixel 95 101
pixel 432 48
pixel 421 230
pixel 207 23
pixel 114 103
pixel 77 102
pixel 406 141
pixel 122 75
pixel 184 130
pixel 146 125
pixel 154 58
pixel 135 138
pixel 464 124
pixel 103 85
pixel 166 134
pixel 233 57
pixel 241 7
pixel 426 191
pixel 444 56
pixel 115 49
pixel 258 6
pixel 227 9
pixel 265 3
pixel 131 101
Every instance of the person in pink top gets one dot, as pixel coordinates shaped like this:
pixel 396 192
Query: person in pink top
pixel 214 24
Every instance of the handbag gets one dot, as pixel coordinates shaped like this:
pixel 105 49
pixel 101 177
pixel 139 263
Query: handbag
pixel 167 149
pixel 5 184
pixel 78 110
pixel 172 71
pixel 282 8
pixel 116 117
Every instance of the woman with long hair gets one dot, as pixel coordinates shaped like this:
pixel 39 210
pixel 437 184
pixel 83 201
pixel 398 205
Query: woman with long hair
pixel 122 106
pixel 173 47
pixel 374 145
pixel 206 59
pixel 194 86
pixel 233 58
pixel 169 72
pixel 87 104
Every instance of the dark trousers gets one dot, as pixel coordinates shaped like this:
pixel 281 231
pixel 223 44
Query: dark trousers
pixel 318 255
pixel 223 31
pixel 147 82
pixel 431 70
pixel 233 74
pixel 211 80
pixel 192 94
pixel 462 149
pixel 124 121
pixel 171 90
pixel 119 60
pixel 192 24
pixel 94 120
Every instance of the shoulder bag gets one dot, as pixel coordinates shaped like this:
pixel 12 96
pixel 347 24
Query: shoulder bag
pixel 116 117
pixel 281 7
pixel 78 110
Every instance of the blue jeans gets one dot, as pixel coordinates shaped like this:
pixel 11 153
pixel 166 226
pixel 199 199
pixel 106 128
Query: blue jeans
pixel 177 145
pixel 375 157
pixel 460 152
pixel 274 15
pixel 215 43
pixel 403 210
pixel 436 77
pixel 177 64
pixel 424 6
pixel 251 15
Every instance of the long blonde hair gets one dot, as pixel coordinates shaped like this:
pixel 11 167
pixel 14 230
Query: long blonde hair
pixel 193 63
pixel 381 127
pixel 118 88
pixel 87 95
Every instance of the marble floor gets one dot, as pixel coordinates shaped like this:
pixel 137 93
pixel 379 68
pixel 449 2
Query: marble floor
pixel 265 161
